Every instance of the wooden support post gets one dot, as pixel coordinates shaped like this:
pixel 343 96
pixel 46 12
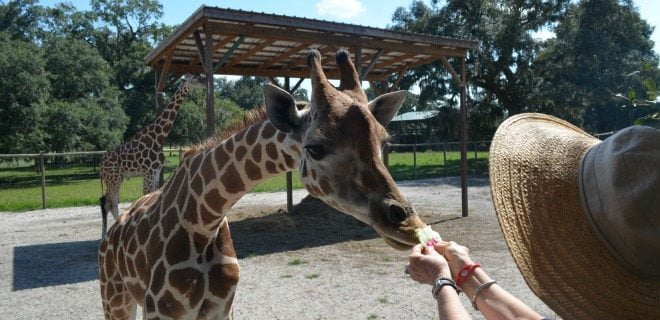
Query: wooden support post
pixel 289 175
pixel 210 86
pixel 297 85
pixel 358 61
pixel 365 72
pixel 42 167
pixel 463 139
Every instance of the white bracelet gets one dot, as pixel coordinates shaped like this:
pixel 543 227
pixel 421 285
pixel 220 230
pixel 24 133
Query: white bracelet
pixel 479 289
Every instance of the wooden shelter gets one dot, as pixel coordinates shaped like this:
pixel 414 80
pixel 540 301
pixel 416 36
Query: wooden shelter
pixel 235 42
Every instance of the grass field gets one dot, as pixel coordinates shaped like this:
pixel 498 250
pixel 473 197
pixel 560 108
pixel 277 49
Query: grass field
pixel 75 186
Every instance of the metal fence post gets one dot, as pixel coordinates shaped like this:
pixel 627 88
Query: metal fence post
pixel 43 180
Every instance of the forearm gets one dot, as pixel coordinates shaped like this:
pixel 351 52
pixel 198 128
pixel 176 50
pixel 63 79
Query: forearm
pixel 494 302
pixel 450 306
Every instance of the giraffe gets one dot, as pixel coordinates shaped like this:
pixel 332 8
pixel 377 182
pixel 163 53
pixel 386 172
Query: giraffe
pixel 172 251
pixel 142 155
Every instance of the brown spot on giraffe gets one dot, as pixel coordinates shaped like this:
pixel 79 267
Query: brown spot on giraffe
pixel 256 153
pixel 232 181
pixel 252 170
pixel 271 150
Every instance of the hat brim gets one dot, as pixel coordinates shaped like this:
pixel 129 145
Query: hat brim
pixel 534 163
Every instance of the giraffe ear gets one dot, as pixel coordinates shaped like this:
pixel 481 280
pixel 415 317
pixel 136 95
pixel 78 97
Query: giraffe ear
pixel 385 106
pixel 281 109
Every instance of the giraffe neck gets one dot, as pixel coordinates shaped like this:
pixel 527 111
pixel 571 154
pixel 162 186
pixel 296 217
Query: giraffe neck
pixel 165 119
pixel 208 183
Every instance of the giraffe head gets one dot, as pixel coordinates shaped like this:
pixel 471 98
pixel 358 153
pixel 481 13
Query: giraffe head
pixel 342 135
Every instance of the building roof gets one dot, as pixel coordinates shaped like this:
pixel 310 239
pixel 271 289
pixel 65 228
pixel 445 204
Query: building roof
pixel 260 44
pixel 415 116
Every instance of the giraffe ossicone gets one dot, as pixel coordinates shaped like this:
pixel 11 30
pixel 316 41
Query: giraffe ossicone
pixel 172 251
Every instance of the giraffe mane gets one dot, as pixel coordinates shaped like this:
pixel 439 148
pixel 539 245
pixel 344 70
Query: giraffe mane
pixel 251 117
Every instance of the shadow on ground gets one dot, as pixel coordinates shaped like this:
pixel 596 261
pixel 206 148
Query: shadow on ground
pixel 311 223
pixel 54 264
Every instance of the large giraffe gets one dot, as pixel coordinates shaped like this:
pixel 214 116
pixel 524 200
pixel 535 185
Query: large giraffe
pixel 142 155
pixel 172 252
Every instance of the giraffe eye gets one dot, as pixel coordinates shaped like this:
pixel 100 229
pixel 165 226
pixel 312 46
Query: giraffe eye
pixel 316 151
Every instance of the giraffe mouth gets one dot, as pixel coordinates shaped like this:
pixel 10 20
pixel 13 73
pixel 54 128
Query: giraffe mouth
pixel 396 243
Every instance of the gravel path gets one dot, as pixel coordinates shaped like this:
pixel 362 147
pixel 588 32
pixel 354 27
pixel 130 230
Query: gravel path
pixel 312 263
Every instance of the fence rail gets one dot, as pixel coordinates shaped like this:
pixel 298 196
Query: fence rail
pixel 23 174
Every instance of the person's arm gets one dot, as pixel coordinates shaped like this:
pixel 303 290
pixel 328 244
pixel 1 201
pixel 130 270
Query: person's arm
pixel 427 265
pixel 492 300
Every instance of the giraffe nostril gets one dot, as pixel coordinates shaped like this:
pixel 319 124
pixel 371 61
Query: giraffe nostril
pixel 397 214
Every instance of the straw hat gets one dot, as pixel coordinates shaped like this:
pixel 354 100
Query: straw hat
pixel 581 217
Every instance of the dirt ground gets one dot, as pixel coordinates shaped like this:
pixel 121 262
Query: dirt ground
pixel 312 263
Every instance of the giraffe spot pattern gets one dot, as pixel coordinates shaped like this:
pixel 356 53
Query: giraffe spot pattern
pixel 189 282
pixel 271 150
pixel 324 183
pixel 169 306
pixel 252 170
pixel 232 181
pixel 158 278
pixel 281 136
pixel 240 153
pixel 270 167
pixel 214 200
pixel 190 213
pixel 252 134
pixel 178 247
pixel 222 278
pixel 268 131
pixel 288 159
pixel 256 153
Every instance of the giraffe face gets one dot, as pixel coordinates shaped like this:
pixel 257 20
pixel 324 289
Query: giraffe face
pixel 342 136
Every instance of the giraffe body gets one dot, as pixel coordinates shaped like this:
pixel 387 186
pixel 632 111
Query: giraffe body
pixel 172 253
pixel 142 155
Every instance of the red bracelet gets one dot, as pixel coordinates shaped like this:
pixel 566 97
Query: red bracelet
pixel 465 273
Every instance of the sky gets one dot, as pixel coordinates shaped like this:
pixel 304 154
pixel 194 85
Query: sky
pixel 373 13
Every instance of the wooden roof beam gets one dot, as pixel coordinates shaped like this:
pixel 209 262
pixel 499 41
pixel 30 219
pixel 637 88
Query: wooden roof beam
pixel 216 46
pixel 164 72
pixel 371 64
pixel 454 74
pixel 228 53
pixel 284 55
pixel 325 50
pixel 200 49
pixel 338 40
pixel 182 68
pixel 236 60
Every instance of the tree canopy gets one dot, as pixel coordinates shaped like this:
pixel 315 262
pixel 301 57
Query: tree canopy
pixel 75 79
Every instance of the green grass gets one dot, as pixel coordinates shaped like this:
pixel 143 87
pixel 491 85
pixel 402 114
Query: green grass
pixel 20 183
pixel 297 262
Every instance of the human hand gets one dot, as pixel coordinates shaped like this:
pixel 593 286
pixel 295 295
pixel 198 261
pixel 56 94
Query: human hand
pixel 426 265
pixel 457 256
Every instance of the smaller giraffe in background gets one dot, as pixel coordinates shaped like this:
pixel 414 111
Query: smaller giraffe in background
pixel 142 155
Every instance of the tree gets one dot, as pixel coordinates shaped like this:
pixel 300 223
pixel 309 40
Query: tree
pixel 598 44
pixel 192 117
pixel 24 86
pixel 500 68
pixel 76 70
pixel 20 19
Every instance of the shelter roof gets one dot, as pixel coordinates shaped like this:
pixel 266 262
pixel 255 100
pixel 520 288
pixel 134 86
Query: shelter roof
pixel 414 116
pixel 260 44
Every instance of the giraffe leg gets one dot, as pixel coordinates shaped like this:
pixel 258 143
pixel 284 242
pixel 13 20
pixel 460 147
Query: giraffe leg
pixel 148 182
pixel 118 304
pixel 111 202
